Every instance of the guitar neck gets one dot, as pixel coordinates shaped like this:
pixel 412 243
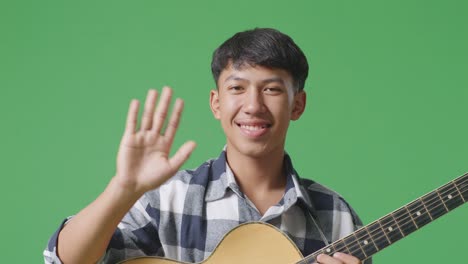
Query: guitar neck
pixel 398 224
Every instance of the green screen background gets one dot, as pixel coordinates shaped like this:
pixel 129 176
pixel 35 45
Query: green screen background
pixel 385 123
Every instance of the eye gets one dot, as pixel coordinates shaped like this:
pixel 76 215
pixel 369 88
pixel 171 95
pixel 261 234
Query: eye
pixel 273 90
pixel 236 88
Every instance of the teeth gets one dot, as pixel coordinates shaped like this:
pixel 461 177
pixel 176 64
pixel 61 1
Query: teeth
pixel 252 127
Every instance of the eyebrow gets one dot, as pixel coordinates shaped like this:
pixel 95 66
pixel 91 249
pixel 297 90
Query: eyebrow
pixel 265 81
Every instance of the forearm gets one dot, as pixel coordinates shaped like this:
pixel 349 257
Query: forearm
pixel 85 238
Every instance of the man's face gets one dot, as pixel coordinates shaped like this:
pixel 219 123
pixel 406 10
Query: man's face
pixel 255 105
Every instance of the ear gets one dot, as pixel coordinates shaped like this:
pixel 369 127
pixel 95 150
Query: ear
pixel 298 105
pixel 214 103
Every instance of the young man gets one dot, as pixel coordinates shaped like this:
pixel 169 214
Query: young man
pixel 149 208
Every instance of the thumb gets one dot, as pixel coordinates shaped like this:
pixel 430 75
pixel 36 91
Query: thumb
pixel 182 154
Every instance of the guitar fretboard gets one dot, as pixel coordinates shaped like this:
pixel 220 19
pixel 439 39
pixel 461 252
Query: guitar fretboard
pixel 387 230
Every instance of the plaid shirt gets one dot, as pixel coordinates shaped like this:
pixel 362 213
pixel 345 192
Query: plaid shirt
pixel 187 216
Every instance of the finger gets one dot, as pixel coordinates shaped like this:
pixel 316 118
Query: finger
pixel 132 117
pixel 325 259
pixel 161 110
pixel 148 113
pixel 174 121
pixel 348 259
pixel 182 154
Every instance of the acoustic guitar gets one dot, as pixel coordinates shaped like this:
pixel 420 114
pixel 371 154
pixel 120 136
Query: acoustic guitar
pixel 262 243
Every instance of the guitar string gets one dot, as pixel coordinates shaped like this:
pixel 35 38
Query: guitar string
pixel 407 218
pixel 355 248
pixel 460 191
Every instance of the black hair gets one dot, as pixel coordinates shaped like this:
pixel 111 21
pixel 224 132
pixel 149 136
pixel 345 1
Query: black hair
pixel 265 47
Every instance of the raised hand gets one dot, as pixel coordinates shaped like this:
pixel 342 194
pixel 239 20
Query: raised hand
pixel 143 161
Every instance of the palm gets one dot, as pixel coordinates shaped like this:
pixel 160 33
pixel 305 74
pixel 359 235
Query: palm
pixel 143 161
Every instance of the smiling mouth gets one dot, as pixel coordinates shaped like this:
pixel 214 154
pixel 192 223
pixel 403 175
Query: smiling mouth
pixel 254 127
pixel 254 130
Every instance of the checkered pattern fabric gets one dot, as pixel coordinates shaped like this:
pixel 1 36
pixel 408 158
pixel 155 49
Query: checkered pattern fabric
pixel 187 217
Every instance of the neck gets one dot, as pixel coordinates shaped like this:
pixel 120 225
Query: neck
pixel 264 173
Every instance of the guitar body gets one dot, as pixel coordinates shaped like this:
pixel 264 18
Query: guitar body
pixel 255 242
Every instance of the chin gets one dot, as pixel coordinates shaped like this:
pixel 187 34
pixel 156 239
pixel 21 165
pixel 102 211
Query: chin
pixel 253 149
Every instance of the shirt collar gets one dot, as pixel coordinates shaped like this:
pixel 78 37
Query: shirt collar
pixel 218 179
pixel 222 179
pixel 295 190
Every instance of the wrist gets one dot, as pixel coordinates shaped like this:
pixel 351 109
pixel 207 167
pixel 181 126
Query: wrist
pixel 124 192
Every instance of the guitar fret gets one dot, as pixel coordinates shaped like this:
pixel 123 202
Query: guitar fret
pixel 419 212
pixel 366 242
pixel 372 239
pixel 378 235
pixel 437 191
pixel 334 248
pixel 411 216
pixel 398 226
pixel 424 204
pixel 356 251
pixel 358 242
pixel 383 231
pixel 404 221
pixel 450 196
pixel 458 190
pixel 327 250
pixel 391 229
pixel 434 205
pixel 461 184
pixel 341 247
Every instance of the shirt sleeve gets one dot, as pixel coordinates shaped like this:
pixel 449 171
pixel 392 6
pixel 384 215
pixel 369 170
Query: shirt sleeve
pixel 135 236
pixel 50 253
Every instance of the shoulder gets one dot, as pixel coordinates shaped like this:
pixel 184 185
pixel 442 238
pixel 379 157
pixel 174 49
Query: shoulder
pixel 319 193
pixel 324 198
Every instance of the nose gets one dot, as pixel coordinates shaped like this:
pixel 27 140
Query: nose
pixel 253 102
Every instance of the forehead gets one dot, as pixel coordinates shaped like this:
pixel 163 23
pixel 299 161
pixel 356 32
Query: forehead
pixel 254 74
